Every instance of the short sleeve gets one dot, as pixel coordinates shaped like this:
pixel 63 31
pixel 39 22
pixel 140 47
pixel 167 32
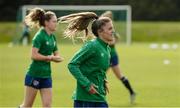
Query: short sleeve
pixel 37 41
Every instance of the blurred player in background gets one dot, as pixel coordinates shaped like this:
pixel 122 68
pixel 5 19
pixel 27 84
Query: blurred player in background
pixel 115 62
pixel 25 38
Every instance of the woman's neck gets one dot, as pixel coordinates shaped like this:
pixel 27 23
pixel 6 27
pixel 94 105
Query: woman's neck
pixel 49 32
pixel 103 39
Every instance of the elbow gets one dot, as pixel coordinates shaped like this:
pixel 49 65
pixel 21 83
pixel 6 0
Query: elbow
pixel 72 67
pixel 69 66
pixel 33 57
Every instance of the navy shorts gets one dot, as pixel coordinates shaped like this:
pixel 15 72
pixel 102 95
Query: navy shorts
pixel 114 60
pixel 78 103
pixel 38 83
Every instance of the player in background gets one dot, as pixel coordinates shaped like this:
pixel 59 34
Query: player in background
pixel 115 62
pixel 25 38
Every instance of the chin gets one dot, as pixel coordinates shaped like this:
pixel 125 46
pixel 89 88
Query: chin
pixel 53 30
pixel 110 40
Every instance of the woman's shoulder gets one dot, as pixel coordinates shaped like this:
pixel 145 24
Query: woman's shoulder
pixel 39 34
pixel 91 43
pixel 53 35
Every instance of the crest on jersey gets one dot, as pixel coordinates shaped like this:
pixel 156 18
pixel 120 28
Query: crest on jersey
pixel 47 43
pixel 54 43
pixel 102 54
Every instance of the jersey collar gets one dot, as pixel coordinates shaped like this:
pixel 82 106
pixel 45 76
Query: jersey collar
pixel 43 29
pixel 102 42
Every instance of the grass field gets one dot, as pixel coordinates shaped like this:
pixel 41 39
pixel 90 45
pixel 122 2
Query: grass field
pixel 141 31
pixel 156 84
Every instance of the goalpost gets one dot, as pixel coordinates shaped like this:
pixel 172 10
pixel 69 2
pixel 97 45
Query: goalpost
pixel 122 14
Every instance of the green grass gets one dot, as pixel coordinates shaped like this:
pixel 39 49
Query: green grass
pixel 156 84
pixel 141 31
pixel 155 31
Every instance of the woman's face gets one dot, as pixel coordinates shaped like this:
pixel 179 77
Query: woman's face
pixel 106 32
pixel 52 23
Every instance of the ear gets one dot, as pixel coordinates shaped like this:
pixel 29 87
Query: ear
pixel 99 31
pixel 46 22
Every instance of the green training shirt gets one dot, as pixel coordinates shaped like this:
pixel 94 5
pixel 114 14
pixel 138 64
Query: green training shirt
pixel 89 66
pixel 46 45
pixel 113 51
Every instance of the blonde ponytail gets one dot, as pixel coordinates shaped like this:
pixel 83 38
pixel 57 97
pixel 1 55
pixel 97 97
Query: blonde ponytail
pixel 37 17
pixel 77 23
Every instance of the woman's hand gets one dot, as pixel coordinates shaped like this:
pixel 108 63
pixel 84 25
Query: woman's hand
pixel 49 58
pixel 106 86
pixel 93 90
pixel 57 59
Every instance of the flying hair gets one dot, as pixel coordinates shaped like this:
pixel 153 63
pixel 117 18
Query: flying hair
pixel 77 23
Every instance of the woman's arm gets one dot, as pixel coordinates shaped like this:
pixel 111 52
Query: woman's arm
pixel 35 55
pixel 57 58
pixel 74 67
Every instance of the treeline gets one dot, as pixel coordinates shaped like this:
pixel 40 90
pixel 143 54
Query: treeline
pixel 143 10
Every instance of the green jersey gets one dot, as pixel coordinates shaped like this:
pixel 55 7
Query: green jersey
pixel 113 51
pixel 46 45
pixel 89 66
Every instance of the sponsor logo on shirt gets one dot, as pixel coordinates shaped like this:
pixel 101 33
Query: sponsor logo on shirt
pixel 47 43
pixel 102 54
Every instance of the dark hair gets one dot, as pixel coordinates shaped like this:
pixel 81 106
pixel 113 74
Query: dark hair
pixel 97 24
pixel 79 21
pixel 37 17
